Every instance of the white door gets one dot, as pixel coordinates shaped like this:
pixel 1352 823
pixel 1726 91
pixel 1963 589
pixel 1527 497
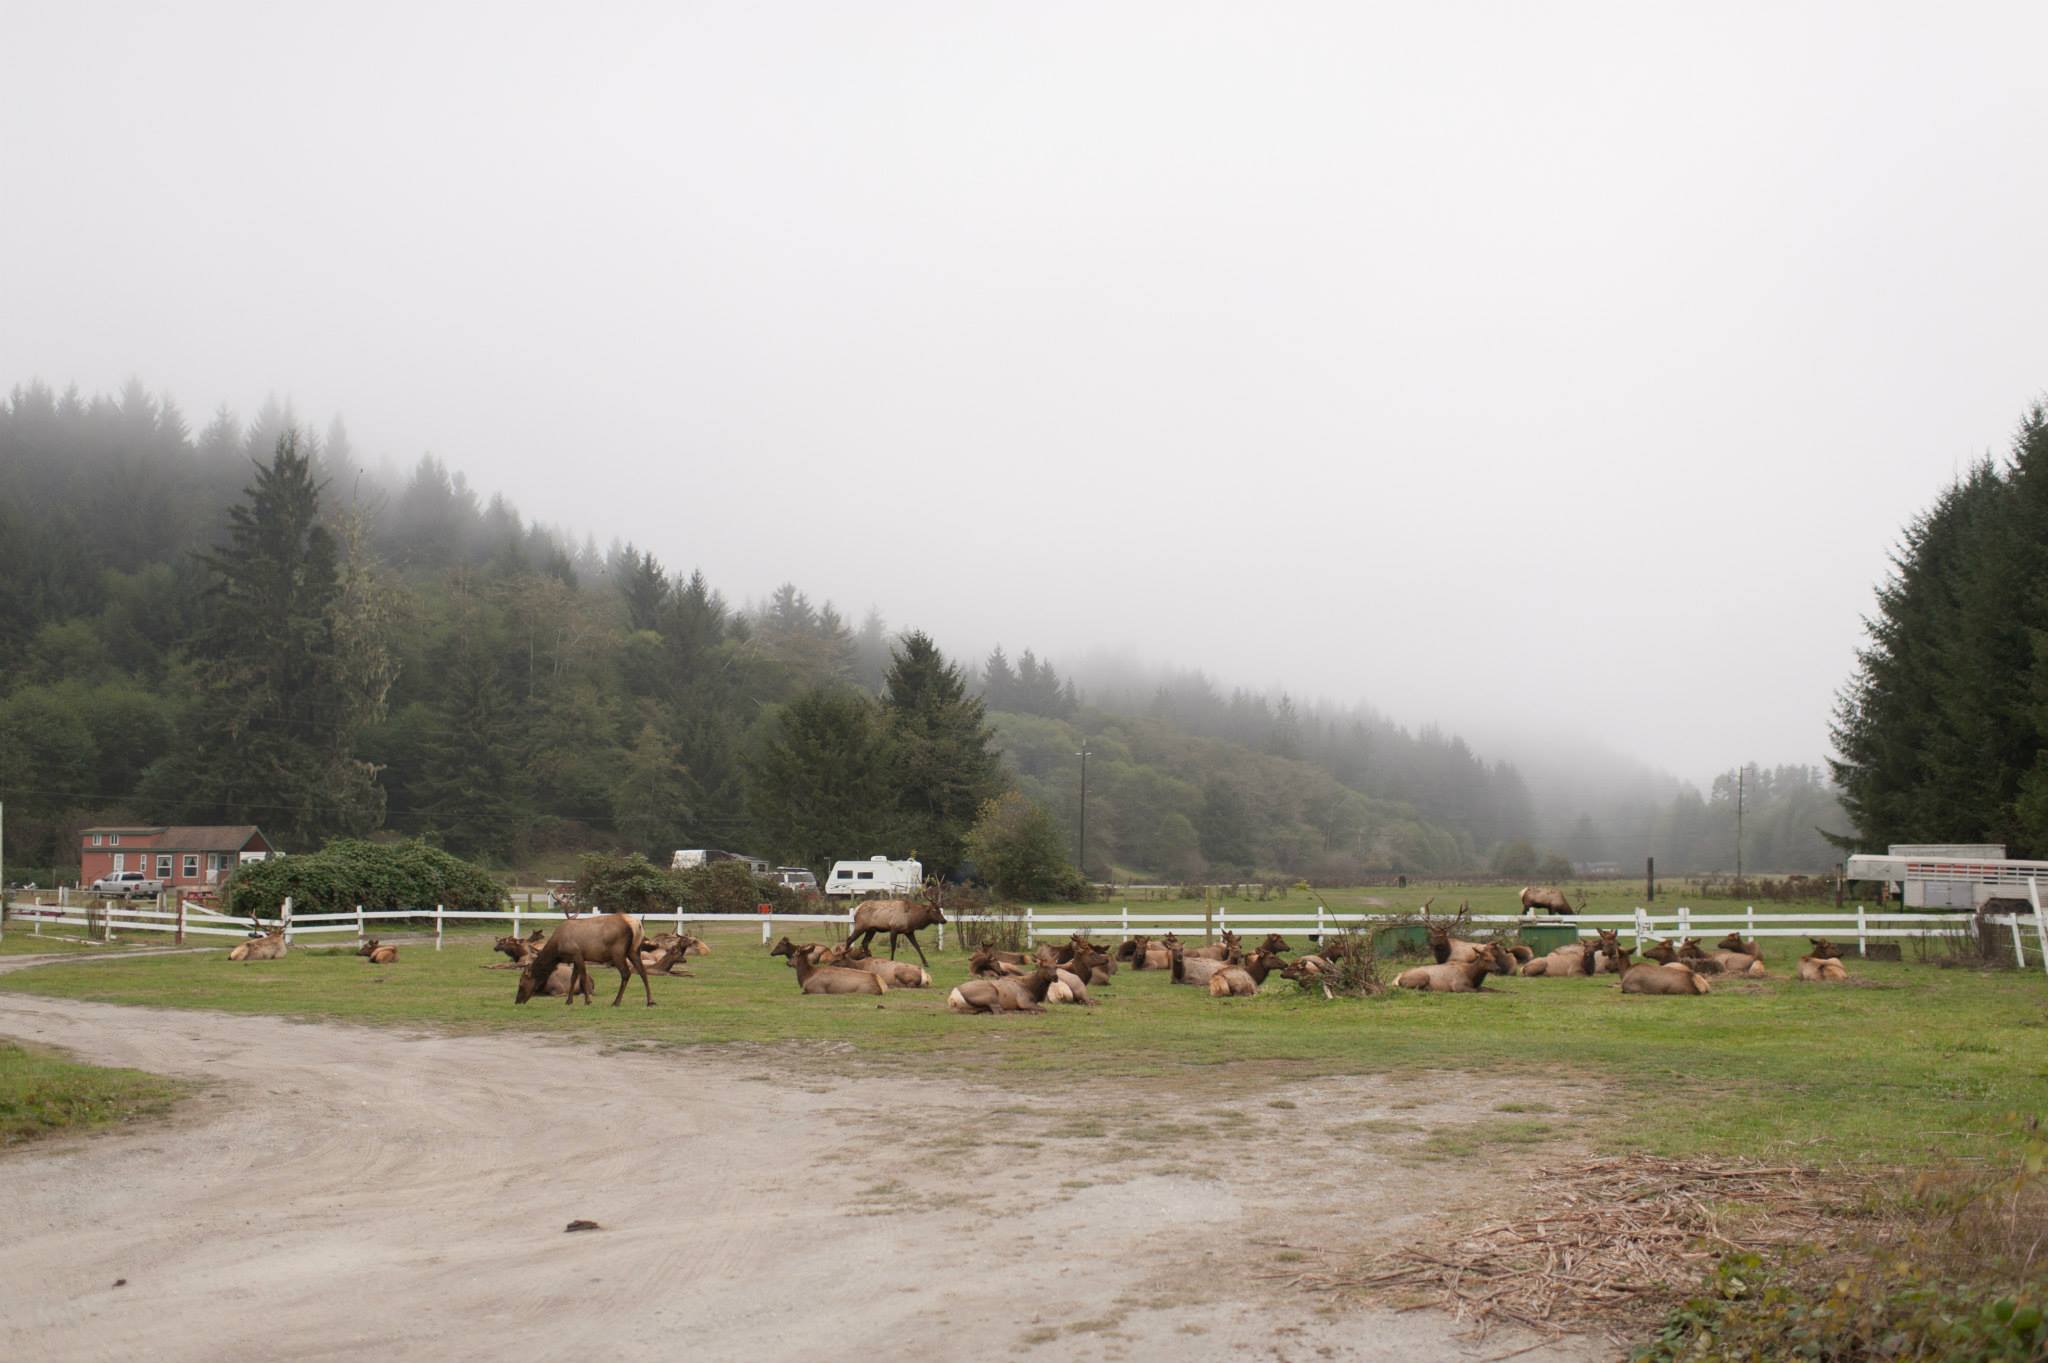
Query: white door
pixel 120 861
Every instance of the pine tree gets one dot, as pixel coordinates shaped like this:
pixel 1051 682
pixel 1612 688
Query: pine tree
pixel 998 680
pixel 818 780
pixel 271 736
pixel 943 765
pixel 473 787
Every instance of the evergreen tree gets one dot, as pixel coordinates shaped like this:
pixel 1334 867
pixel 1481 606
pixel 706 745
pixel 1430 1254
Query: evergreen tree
pixel 271 735
pixel 943 765
pixel 998 681
pixel 818 780
pixel 651 800
pixel 472 790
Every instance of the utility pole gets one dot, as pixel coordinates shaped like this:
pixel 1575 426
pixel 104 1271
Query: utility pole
pixel 1081 857
pixel 1740 773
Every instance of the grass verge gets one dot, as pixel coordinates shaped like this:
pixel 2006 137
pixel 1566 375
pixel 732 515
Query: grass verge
pixel 42 1093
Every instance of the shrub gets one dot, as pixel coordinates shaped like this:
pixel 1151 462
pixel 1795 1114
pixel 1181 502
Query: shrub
pixel 1020 853
pixel 343 874
pixel 732 887
pixel 609 883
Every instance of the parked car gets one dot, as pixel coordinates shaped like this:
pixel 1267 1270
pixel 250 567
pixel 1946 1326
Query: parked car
pixel 797 878
pixel 128 885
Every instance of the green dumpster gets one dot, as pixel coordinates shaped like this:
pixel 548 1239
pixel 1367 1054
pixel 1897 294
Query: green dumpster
pixel 1400 939
pixel 1544 938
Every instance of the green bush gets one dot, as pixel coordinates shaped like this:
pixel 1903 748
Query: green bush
pixel 1018 851
pixel 609 883
pixel 730 887
pixel 343 874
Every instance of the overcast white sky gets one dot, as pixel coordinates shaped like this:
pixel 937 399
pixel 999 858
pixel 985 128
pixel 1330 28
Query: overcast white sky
pixel 1555 367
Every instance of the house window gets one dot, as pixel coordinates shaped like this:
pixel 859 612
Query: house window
pixel 215 860
pixel 191 866
pixel 163 866
pixel 95 840
pixel 113 839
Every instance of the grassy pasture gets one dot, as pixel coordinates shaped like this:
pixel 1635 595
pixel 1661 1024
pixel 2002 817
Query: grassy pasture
pixel 1908 1064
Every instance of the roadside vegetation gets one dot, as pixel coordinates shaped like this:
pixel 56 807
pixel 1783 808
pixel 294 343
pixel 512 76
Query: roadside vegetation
pixel 42 1094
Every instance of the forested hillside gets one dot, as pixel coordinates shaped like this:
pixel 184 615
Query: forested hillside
pixel 243 623
pixel 1943 732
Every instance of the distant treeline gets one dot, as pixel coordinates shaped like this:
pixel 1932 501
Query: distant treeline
pixel 438 665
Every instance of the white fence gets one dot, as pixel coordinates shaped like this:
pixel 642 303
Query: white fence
pixel 1862 926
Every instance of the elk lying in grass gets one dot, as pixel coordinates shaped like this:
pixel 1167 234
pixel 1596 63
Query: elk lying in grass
pixel 896 974
pixel 1574 958
pixel 667 960
pixel 899 918
pixel 1243 981
pixel 1729 962
pixel 1733 942
pixel 1068 987
pixel 1195 970
pixel 1145 954
pixel 1310 967
pixel 1225 950
pixel 1609 956
pixel 377 955
pixel 1010 994
pixel 1652 977
pixel 691 946
pixel 812 978
pixel 1823 964
pixel 829 954
pixel 986 963
pixel 611 939
pixel 268 947
pixel 1459 977
pixel 1546 898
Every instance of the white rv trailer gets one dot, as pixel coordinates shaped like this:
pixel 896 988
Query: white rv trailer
pixel 876 875
pixel 1949 875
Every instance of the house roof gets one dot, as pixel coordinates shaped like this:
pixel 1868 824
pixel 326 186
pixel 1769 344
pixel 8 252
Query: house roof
pixel 195 837
pixel 125 828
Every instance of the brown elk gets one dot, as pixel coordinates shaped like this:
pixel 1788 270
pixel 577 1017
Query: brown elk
pixel 1823 964
pixel 1068 987
pixel 812 978
pixel 1733 942
pixel 1574 958
pixel 1225 950
pixel 1658 978
pixel 986 963
pixel 517 948
pixel 611 939
pixel 831 954
pixel 377 955
pixel 268 947
pixel 1011 994
pixel 1727 962
pixel 1546 898
pixel 1194 970
pixel 1459 977
pixel 1243 981
pixel 1147 954
pixel 897 974
pixel 691 946
pixel 899 918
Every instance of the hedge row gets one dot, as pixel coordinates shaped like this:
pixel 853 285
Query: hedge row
pixel 341 875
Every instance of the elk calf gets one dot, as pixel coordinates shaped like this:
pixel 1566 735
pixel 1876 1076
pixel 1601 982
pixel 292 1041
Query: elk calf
pixel 377 955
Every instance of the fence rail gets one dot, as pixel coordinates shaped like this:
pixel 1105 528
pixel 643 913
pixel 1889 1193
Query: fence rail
pixel 187 918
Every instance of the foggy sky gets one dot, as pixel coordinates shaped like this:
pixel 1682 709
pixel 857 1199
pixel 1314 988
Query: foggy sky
pixel 1558 369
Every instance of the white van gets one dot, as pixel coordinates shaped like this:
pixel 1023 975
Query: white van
pixel 876 875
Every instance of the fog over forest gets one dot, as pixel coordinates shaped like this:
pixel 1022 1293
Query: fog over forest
pixel 1550 382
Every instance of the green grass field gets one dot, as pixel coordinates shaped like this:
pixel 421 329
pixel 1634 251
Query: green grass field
pixel 1908 1063
pixel 42 1093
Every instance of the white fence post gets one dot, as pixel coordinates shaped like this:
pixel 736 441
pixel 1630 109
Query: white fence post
pixel 286 914
pixel 1030 928
pixel 1642 928
pixel 766 920
pixel 1222 918
pixel 1749 915
pixel 515 914
pixel 359 925
pixel 440 912
pixel 2040 927
pixel 1127 922
pixel 2019 950
pixel 1684 922
pixel 1862 933
pixel 679 920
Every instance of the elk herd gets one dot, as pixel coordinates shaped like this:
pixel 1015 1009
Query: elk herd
pixel 558 964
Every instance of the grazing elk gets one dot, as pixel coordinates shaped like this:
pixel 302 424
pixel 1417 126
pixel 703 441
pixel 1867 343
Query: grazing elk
pixel 1459 977
pixel 611 939
pixel 899 918
pixel 1652 977
pixel 1546 898
pixel 268 947
pixel 375 954
pixel 812 978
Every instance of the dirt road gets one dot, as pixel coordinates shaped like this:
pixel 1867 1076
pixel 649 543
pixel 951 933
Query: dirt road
pixel 349 1193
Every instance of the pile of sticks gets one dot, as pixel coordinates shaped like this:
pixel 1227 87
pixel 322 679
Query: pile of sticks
pixel 1621 1239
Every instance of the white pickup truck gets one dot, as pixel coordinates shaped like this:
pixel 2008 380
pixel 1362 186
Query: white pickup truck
pixel 128 885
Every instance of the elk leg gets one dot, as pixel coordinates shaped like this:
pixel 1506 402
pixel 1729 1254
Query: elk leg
pixel 892 944
pixel 913 942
